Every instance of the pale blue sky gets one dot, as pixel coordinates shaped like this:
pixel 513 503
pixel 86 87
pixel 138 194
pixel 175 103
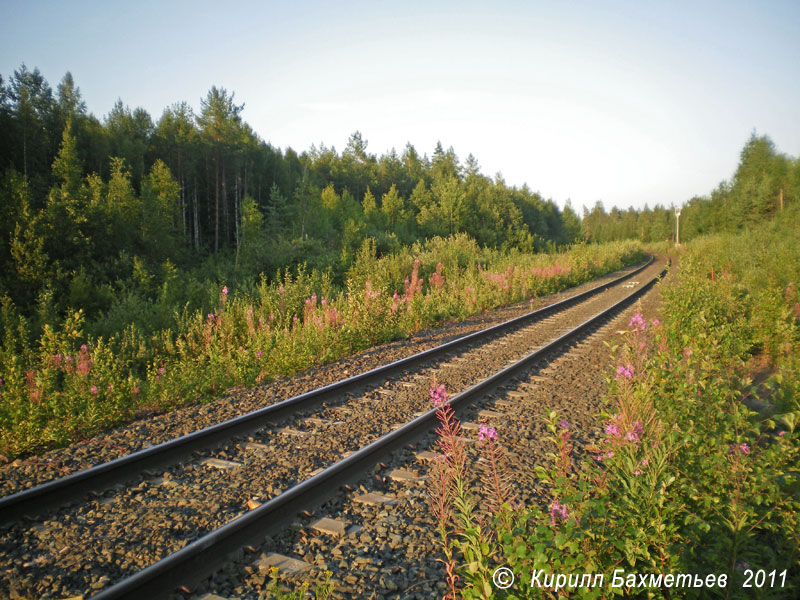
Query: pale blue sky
pixel 625 102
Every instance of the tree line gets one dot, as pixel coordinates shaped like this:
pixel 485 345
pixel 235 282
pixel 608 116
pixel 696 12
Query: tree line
pixel 764 183
pixel 91 206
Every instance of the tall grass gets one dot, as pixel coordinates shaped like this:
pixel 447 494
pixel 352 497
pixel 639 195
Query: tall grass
pixel 66 384
pixel 687 480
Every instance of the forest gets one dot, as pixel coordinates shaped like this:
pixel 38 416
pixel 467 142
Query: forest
pixel 101 215
pixel 98 211
pixel 145 265
pixel 764 182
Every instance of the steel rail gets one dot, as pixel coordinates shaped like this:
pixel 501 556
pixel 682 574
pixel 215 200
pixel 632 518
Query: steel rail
pixel 203 557
pixel 64 490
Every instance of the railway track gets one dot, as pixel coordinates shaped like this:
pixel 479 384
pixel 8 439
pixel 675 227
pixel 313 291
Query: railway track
pixel 314 443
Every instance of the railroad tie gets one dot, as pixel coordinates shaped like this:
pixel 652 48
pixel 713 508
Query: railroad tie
pixel 255 446
pixel 219 463
pixel 490 414
pixel 285 564
pixel 404 476
pixel 428 456
pixel 376 499
pixel 289 431
pixel 330 526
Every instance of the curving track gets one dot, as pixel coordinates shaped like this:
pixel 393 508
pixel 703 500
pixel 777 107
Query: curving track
pixel 373 420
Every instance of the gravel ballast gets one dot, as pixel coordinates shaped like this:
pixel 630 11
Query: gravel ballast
pixel 133 526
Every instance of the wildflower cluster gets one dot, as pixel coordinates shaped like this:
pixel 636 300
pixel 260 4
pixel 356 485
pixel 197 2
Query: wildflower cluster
pixel 742 449
pixel 468 544
pixel 57 389
pixel 558 512
pixel 625 371
pixel 437 279
pixel 638 323
pixel 486 433
pixel 438 394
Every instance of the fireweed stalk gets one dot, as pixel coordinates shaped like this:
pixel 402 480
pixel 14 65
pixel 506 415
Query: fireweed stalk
pixel 468 541
pixel 686 478
pixel 227 336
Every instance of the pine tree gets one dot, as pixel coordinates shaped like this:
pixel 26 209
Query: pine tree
pixel 219 123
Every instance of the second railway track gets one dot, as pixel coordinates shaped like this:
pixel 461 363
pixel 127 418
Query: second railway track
pixel 132 527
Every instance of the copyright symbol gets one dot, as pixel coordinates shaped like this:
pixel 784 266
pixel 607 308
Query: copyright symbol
pixel 503 578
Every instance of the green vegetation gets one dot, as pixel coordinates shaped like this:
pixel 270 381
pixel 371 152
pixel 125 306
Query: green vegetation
pixel 687 479
pixel 68 383
pixel 144 265
pixel 764 184
pixel 100 216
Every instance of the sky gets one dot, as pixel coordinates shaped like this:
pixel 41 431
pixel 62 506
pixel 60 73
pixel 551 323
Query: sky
pixel 630 103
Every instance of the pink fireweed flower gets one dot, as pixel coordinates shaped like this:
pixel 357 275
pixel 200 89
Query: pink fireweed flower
pixel 638 323
pixel 638 472
pixel 485 432
pixel 687 351
pixel 250 311
pixel 259 353
pixel 161 370
pixel 225 290
pixel 645 462
pixel 655 322
pixel 610 454
pixel 438 395
pixel 324 302
pixel 110 387
pixel 563 424
pixel 612 430
pixel 632 436
pixel 558 512
pixel 84 347
pixel 781 434
pixel 281 290
pixel 211 316
pixel 626 372
pixel 93 389
pixel 637 428
pixel 742 448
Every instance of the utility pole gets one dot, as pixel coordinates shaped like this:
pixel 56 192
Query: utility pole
pixel 677 226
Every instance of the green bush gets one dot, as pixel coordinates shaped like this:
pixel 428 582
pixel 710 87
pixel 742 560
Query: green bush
pixel 687 479
pixel 150 353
